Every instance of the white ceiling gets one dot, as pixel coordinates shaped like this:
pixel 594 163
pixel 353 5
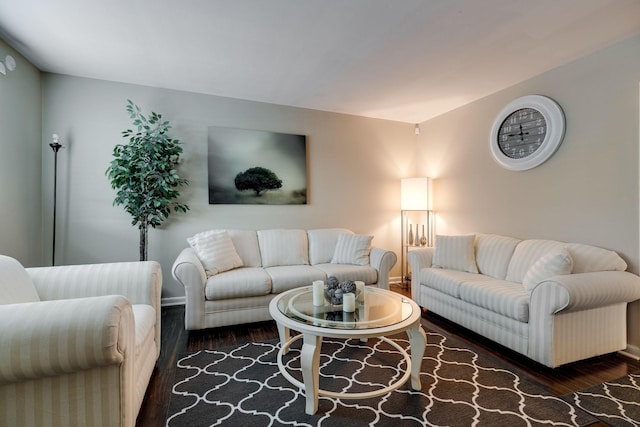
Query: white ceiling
pixel 405 60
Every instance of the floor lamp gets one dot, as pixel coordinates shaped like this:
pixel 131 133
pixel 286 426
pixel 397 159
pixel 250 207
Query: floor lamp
pixel 55 146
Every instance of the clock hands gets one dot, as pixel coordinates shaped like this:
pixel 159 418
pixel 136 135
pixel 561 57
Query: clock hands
pixel 521 134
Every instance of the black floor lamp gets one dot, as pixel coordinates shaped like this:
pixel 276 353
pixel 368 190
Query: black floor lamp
pixel 55 146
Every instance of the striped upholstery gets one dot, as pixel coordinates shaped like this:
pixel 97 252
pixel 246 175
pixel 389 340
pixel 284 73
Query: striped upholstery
pixel 216 251
pixel 85 354
pixel 322 244
pixel 238 283
pixel 283 247
pixel 501 329
pixel 240 296
pixel 448 281
pixel 556 319
pixel 78 334
pixel 588 258
pixel 288 277
pixel 493 253
pixel 526 254
pixel 352 249
pixel 554 263
pixel 342 272
pixel 55 406
pixel 455 253
pixel 246 244
pixel 499 296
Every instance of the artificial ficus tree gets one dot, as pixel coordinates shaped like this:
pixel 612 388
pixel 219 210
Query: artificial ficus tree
pixel 144 173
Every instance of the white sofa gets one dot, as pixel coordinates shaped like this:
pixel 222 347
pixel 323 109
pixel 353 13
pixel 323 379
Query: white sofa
pixel 78 344
pixel 554 302
pixel 230 276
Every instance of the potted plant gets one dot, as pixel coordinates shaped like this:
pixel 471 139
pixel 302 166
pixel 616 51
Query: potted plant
pixel 144 173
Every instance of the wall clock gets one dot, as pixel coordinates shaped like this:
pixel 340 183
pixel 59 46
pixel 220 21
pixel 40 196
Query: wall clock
pixel 527 132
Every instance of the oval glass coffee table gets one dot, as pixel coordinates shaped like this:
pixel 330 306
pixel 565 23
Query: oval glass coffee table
pixel 378 313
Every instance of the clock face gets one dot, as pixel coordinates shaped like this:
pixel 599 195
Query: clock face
pixel 522 132
pixel 527 132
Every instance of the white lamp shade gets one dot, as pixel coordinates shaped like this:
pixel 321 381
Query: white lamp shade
pixel 415 194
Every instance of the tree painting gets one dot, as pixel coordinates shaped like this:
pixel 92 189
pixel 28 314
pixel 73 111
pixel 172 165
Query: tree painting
pixel 257 179
pixel 256 167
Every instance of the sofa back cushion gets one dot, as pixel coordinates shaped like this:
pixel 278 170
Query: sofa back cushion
pixel 246 244
pixel 526 254
pixel 493 254
pixel 588 258
pixel 283 247
pixel 322 244
pixel 16 285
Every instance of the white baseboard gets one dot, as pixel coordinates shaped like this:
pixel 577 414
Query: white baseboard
pixel 631 351
pixel 395 280
pixel 166 302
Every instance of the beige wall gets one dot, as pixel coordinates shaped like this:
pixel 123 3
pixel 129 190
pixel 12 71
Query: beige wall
pixel 587 192
pixel 354 170
pixel 20 161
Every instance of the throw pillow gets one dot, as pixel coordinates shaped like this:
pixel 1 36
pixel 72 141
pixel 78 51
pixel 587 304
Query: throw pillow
pixel 16 285
pixel 455 253
pixel 352 249
pixel 216 251
pixel 552 264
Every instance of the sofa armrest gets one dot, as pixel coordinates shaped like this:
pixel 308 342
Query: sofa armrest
pixel 189 272
pixel 383 261
pixel 583 291
pixel 49 338
pixel 418 259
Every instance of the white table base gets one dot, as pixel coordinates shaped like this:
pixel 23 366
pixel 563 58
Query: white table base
pixel 310 365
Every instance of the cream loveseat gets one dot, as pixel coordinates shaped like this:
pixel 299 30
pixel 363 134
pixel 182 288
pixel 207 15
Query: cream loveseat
pixel 554 302
pixel 78 344
pixel 230 276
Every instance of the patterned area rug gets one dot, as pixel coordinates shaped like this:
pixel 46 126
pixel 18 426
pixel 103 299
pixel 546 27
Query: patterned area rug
pixel 616 403
pixel 242 386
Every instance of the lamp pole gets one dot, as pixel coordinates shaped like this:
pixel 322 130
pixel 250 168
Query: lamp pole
pixel 55 146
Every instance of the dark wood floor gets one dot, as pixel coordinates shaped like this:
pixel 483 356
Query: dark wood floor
pixel 177 341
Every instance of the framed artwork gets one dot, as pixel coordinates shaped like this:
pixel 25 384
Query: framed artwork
pixel 254 167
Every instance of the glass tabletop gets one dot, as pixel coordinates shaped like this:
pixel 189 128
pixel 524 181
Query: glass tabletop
pixel 374 308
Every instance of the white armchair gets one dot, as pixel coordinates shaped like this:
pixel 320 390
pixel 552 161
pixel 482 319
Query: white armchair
pixel 78 344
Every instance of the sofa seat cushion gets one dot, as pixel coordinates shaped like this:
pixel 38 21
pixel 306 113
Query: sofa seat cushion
pixel 499 296
pixel 343 272
pixel 449 281
pixel 238 283
pixel 288 277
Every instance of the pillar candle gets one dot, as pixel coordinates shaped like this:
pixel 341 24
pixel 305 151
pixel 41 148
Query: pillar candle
pixel 349 302
pixel 318 292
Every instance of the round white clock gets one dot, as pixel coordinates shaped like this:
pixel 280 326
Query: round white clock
pixel 527 132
